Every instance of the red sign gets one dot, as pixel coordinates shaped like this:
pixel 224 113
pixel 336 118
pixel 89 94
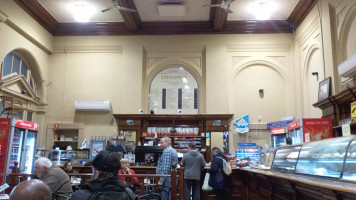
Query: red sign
pixel 317 122
pixel 4 139
pixel 277 131
pixel 55 126
pixel 25 124
pixel 294 125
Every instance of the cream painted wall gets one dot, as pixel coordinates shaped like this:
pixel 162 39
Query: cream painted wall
pixel 230 68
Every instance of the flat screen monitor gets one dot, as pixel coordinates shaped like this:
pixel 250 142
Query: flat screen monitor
pixel 147 155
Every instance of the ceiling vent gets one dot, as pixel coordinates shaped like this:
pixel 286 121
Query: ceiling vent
pixel 171 8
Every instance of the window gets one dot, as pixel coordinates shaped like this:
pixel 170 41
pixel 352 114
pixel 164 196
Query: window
pixel 14 64
pixel 172 89
pixel 29 116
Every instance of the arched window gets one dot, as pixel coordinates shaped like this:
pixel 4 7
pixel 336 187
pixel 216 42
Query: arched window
pixel 17 77
pixel 14 65
pixel 174 90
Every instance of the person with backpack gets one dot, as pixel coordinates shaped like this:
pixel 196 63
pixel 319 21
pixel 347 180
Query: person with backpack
pixel 217 177
pixel 105 184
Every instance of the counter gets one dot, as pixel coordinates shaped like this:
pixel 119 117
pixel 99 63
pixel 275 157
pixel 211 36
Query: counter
pixel 248 183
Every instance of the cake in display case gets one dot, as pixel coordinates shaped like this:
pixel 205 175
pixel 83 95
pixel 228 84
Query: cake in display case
pixel 331 158
pixel 77 157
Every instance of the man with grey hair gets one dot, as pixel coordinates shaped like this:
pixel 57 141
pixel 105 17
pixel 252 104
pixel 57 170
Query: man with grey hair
pixel 57 180
pixel 169 156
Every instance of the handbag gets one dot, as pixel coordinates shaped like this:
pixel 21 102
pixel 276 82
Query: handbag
pixel 206 186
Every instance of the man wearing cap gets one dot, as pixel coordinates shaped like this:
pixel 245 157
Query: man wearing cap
pixel 104 179
pixel 164 166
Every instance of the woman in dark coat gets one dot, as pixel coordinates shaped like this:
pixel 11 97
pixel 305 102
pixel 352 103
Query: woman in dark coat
pixel 217 179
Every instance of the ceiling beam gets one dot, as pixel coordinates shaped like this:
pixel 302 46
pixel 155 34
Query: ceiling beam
pixel 173 28
pixel 299 13
pixel 132 19
pixel 218 16
pixel 39 13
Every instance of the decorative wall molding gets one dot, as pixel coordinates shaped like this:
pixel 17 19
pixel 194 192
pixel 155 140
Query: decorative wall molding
pixel 309 30
pixel 195 60
pixel 280 59
pixel 153 60
pixel 88 48
pixel 258 47
pixel 237 59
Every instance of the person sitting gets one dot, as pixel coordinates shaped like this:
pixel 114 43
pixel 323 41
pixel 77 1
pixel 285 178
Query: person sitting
pixel 57 180
pixel 126 170
pixel 105 183
pixel 31 190
pixel 68 168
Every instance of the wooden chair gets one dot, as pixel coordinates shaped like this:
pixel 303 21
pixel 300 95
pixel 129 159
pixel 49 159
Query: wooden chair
pixel 11 107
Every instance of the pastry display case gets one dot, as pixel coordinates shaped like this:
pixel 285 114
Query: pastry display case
pixel 77 157
pixel 330 158
pixel 286 158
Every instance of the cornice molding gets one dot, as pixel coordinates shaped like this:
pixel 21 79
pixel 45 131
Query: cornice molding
pixel 88 48
pixel 299 13
pixel 258 47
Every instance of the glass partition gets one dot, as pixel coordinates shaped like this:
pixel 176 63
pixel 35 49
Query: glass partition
pixel 324 157
pixel 286 158
pixel 349 172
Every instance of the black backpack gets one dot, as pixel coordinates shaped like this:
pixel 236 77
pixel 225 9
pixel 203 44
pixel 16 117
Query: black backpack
pixel 110 192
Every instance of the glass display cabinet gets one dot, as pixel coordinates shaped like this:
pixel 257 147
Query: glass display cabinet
pixel 330 158
pixel 77 157
pixel 285 158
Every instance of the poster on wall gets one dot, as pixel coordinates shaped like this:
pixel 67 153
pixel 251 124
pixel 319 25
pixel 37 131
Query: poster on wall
pixel 174 89
pixel 96 147
pixel 242 124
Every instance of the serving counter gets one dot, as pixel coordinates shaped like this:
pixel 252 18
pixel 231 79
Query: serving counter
pixel 323 169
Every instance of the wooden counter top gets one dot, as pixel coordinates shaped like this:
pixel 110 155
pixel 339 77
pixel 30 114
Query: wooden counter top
pixel 322 182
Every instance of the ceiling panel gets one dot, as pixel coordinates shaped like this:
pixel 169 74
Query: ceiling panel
pixel 60 10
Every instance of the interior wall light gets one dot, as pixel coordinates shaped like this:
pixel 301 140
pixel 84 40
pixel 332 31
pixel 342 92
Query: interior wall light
pixel 261 92
pixel 316 74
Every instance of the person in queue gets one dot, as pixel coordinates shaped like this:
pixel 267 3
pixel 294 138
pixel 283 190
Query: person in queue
pixel 56 179
pixel 164 166
pixel 31 190
pixel 105 183
pixel 68 168
pixel 193 163
pixel 126 170
pixel 217 179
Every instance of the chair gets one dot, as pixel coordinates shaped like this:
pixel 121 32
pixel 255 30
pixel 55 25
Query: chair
pixel 11 106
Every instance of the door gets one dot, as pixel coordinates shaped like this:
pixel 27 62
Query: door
pixel 29 152
pixel 16 147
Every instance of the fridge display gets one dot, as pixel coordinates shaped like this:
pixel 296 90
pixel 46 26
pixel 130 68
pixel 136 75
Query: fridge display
pixel 286 158
pixel 18 143
pixel 306 130
pixel 278 137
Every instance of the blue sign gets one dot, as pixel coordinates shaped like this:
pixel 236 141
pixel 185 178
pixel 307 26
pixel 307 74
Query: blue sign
pixel 247 144
pixel 242 124
pixel 278 124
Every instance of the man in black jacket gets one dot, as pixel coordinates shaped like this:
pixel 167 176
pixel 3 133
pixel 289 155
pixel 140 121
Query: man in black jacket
pixel 105 183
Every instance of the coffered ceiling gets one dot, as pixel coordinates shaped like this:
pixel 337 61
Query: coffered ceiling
pixel 164 17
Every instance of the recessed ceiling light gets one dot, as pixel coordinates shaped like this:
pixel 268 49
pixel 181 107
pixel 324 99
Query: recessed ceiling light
pixel 82 11
pixel 262 9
